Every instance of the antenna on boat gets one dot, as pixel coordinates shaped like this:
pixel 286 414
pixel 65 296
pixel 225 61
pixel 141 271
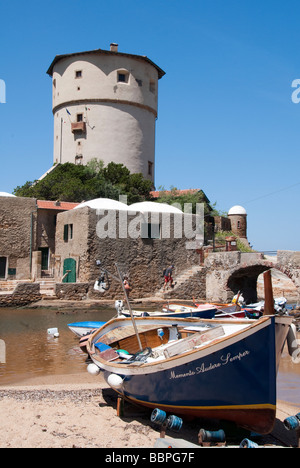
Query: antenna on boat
pixel 120 279
pixel 129 307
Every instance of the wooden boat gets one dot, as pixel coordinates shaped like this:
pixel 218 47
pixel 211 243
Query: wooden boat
pixel 233 311
pixel 205 311
pixel 220 369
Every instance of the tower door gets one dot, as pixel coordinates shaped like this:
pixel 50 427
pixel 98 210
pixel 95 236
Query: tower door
pixel 3 262
pixel 69 274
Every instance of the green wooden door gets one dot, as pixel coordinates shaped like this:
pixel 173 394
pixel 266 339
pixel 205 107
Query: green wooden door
pixel 45 258
pixel 3 261
pixel 70 268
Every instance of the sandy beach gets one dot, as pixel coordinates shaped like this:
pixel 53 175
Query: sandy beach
pixel 78 411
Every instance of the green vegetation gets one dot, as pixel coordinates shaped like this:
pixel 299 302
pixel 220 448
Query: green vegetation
pixel 220 239
pixel 69 182
pixel 198 196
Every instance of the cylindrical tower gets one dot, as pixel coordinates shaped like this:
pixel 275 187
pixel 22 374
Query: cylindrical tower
pixel 238 217
pixel 105 107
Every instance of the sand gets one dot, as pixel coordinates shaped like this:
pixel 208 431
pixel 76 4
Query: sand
pixel 81 412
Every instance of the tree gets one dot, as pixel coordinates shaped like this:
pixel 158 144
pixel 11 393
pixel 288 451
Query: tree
pixel 70 182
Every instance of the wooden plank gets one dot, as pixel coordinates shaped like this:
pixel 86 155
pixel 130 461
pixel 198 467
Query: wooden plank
pixel 119 334
pixel 189 343
pixel 108 355
pixel 149 339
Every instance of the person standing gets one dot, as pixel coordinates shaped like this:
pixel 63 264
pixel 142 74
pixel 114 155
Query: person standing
pixel 127 285
pixel 168 274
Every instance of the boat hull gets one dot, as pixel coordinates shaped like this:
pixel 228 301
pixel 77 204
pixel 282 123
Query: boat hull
pixel 233 379
pixel 186 312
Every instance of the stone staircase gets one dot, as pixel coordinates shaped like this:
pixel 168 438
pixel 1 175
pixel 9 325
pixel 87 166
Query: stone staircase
pixel 182 284
pixel 47 286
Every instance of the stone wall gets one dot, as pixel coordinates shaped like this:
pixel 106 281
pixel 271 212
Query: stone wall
pixel 72 291
pixel 24 294
pixel 143 260
pixel 16 239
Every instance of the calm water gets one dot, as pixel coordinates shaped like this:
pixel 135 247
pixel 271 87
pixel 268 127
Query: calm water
pixel 31 352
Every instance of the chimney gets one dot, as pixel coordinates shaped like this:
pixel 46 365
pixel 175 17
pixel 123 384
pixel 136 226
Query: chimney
pixel 114 47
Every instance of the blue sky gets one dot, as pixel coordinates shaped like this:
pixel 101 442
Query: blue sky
pixel 226 121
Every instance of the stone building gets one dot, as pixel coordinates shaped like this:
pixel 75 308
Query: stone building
pixel 27 236
pixel 143 239
pixel 105 107
pixel 62 241
pixel 16 236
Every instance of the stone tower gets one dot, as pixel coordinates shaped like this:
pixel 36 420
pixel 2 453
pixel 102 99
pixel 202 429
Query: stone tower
pixel 238 218
pixel 105 107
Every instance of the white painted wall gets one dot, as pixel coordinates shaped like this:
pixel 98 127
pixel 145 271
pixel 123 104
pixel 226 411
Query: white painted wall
pixel 120 117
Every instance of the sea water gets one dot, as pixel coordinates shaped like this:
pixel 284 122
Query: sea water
pixel 32 352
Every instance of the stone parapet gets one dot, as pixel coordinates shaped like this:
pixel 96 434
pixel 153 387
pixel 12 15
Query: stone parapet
pixel 24 294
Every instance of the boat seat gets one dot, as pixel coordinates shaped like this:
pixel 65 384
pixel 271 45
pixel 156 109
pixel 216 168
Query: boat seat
pixel 106 352
pixel 197 339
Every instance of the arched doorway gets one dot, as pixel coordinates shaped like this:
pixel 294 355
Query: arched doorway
pixel 245 281
pixel 249 281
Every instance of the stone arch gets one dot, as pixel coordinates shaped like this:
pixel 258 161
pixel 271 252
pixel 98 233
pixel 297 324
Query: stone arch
pixel 244 278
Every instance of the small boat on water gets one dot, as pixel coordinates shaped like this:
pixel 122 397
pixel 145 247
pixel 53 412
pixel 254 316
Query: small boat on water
pixel 221 311
pixel 221 369
pixel 81 329
pixel 204 311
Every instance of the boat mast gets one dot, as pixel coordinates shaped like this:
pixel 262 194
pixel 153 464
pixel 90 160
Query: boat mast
pixel 129 307
pixel 269 298
pixel 120 279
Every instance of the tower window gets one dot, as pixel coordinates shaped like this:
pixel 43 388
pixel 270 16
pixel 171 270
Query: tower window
pixel 123 77
pixel 79 117
pixel 150 168
pixel 152 86
pixel 78 74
